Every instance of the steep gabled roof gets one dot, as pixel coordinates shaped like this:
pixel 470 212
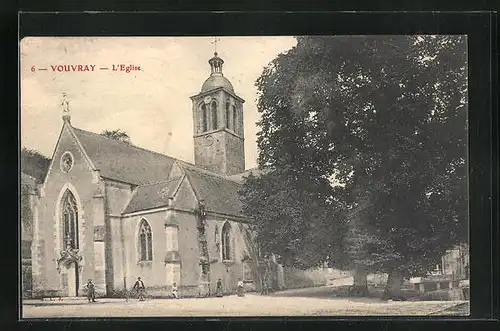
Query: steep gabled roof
pixel 220 194
pixel 150 172
pixel 241 177
pixel 152 196
pixel 124 162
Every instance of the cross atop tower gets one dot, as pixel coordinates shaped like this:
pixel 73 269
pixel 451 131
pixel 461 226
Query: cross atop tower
pixel 215 43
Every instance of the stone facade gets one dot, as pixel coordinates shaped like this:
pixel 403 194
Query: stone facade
pixel 109 238
pixel 218 128
pixel 48 241
pixel 136 213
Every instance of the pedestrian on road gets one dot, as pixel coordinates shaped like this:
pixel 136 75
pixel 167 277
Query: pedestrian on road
pixel 264 285
pixel 90 287
pixel 218 288
pixel 140 288
pixel 174 291
pixel 241 292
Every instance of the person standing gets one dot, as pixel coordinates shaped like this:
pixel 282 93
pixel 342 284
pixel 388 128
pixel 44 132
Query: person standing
pixel 264 284
pixel 218 288
pixel 90 287
pixel 140 288
pixel 241 292
pixel 174 291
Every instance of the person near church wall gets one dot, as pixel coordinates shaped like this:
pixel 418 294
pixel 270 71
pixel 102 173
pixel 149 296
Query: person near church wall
pixel 90 288
pixel 219 289
pixel 140 288
pixel 174 291
pixel 241 292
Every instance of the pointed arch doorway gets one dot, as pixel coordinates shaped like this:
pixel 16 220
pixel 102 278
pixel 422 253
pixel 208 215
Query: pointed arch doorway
pixel 70 269
pixel 69 263
pixel 73 279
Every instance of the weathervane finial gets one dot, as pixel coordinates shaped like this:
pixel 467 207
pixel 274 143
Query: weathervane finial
pixel 215 44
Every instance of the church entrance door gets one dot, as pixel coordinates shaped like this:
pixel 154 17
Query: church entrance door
pixel 73 279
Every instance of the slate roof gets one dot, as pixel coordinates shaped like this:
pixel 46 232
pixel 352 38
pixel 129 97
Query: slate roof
pixel 242 176
pixel 220 194
pixel 150 170
pixel 124 162
pixel 151 196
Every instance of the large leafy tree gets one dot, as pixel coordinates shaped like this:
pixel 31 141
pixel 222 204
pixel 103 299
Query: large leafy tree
pixel 386 116
pixel 117 134
pixel 292 217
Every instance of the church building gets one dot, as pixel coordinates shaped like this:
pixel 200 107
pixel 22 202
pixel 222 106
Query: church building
pixel 111 211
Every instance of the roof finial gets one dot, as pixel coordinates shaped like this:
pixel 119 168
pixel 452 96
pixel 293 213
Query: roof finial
pixel 65 105
pixel 215 45
pixel 216 62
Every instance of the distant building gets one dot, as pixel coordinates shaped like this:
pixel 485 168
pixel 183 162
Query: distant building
pixel 455 263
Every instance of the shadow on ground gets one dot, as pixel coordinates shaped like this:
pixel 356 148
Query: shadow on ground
pixel 462 309
pixel 375 294
pixel 325 292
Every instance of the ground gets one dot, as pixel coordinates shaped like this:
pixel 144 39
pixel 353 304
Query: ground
pixel 302 302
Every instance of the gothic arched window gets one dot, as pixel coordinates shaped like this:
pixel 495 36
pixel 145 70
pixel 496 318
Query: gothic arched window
pixel 234 118
pixel 204 118
pixel 226 242
pixel 214 116
pixel 227 115
pixel 70 220
pixel 145 242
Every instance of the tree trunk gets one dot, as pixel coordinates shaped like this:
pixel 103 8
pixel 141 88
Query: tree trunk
pixel 360 286
pixel 393 287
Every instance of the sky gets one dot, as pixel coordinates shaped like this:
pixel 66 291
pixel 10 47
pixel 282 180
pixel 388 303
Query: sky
pixel 151 104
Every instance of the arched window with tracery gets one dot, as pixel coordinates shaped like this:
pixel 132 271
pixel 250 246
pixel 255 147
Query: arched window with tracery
pixel 145 242
pixel 226 242
pixel 234 119
pixel 214 116
pixel 227 116
pixel 70 220
pixel 204 118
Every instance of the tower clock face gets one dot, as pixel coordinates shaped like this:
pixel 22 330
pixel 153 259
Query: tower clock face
pixel 207 100
pixel 209 140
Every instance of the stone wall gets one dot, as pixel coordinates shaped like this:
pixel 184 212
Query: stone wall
pixel 296 278
pixel 81 181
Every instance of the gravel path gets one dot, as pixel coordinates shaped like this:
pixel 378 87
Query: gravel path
pixel 250 305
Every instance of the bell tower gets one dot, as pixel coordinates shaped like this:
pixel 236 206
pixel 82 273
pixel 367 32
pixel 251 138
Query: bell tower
pixel 218 124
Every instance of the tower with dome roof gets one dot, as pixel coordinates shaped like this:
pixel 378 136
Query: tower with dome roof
pixel 218 124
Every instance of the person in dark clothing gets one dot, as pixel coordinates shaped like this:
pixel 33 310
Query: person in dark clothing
pixel 241 292
pixel 140 288
pixel 219 289
pixel 90 287
pixel 174 291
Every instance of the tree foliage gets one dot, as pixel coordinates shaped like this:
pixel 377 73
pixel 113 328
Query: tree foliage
pixel 117 134
pixel 290 220
pixel 26 213
pixel 35 164
pixel 386 116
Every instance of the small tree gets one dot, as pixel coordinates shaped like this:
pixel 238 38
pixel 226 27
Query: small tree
pixel 117 134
